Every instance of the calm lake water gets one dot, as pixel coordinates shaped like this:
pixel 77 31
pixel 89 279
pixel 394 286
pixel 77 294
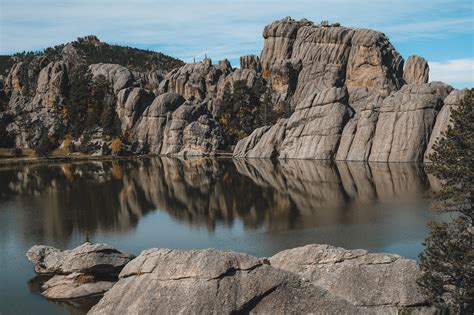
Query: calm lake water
pixel 254 206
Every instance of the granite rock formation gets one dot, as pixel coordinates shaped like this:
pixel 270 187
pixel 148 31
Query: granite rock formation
pixel 173 126
pixel 87 258
pixel 345 94
pixel 387 114
pixel 214 281
pixel 87 270
pixel 118 75
pixel 416 70
pixel 365 279
pixel 405 122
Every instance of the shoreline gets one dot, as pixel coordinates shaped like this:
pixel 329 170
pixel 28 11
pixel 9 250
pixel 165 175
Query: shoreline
pixel 19 161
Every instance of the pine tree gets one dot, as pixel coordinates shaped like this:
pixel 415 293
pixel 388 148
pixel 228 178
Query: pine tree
pixel 44 146
pixel 448 259
pixel 98 92
pixel 76 104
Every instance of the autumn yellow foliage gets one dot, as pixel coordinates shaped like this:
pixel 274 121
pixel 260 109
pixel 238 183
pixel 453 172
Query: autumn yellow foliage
pixel 116 146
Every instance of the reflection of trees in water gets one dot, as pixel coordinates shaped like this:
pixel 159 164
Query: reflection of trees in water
pixel 112 196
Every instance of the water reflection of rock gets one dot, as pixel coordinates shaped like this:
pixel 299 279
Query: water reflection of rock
pixel 112 196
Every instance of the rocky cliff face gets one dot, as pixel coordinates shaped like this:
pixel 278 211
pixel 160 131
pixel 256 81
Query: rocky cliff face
pixel 36 93
pixel 349 95
pixel 387 114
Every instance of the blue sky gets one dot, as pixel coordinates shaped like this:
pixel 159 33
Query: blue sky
pixel 441 31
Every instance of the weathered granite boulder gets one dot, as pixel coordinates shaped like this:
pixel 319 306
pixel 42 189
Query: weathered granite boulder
pixel 131 103
pixel 264 142
pixel 405 122
pixel 313 278
pixel 118 75
pixel 191 130
pixel 95 259
pixel 149 130
pixel 173 126
pixel 196 81
pixel 74 286
pixel 52 85
pixel 314 130
pixel 416 70
pixel 364 279
pixel 443 119
pixel 165 281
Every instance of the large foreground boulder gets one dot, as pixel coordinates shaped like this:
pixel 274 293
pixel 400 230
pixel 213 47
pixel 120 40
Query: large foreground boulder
pixel 317 279
pixel 165 281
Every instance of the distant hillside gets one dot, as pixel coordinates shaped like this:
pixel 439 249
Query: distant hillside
pixel 91 50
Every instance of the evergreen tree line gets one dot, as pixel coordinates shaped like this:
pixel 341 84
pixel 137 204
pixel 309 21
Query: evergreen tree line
pixel 244 109
pixel 448 259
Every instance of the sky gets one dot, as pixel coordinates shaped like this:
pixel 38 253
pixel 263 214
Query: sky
pixel 441 31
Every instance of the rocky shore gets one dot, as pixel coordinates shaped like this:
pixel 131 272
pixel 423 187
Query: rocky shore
pixel 319 279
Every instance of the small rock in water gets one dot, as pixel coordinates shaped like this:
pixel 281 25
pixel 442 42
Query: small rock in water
pixel 88 270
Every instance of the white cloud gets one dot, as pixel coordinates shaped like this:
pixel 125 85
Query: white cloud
pixel 458 72
pixel 188 27
pixel 228 29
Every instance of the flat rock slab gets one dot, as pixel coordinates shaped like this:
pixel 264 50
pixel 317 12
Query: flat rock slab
pixel 74 286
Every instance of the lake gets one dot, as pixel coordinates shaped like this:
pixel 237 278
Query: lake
pixel 254 206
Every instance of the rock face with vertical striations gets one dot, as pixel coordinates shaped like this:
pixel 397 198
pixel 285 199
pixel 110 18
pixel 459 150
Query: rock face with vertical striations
pixel 312 132
pixel 405 122
pixel 416 70
pixel 328 56
pixel 358 133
